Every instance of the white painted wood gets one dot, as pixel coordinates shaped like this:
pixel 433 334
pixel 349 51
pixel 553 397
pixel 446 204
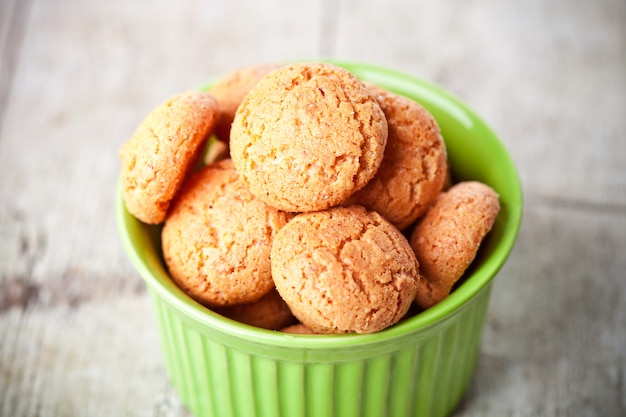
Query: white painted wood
pixel 77 335
pixel 547 76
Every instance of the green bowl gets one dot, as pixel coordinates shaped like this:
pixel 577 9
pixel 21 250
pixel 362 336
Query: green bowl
pixel 421 366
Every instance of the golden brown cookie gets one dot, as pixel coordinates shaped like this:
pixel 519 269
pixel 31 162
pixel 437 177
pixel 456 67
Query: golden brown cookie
pixel 308 136
pixel 448 237
pixel 414 167
pixel 270 312
pixel 230 91
pixel 344 270
pixel 162 151
pixel 448 182
pixel 217 238
pixel 297 328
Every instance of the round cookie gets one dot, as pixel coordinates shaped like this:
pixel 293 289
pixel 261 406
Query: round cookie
pixel 297 328
pixel 270 312
pixel 308 136
pixel 414 166
pixel 230 91
pixel 344 270
pixel 448 237
pixel 217 238
pixel 162 151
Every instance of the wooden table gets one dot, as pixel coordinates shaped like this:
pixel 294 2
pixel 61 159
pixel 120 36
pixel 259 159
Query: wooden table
pixel 77 335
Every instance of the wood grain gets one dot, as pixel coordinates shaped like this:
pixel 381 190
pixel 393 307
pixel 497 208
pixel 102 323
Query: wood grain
pixel 77 335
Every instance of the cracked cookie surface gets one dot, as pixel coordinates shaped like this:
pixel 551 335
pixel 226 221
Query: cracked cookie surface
pixel 344 270
pixel 230 90
pixel 448 237
pixel 269 312
pixel 308 136
pixel 217 238
pixel 414 165
pixel 162 151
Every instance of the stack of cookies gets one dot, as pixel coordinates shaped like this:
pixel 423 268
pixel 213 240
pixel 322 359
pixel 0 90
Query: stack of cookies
pixel 329 210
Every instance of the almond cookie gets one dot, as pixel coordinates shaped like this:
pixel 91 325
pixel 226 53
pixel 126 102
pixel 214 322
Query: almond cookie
pixel 448 237
pixel 308 136
pixel 270 312
pixel 414 166
pixel 297 328
pixel 217 238
pixel 162 151
pixel 230 91
pixel 344 270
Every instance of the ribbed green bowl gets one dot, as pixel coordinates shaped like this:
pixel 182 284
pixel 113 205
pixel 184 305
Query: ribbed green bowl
pixel 419 367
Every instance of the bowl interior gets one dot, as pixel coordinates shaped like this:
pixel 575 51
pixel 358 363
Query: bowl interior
pixel 475 153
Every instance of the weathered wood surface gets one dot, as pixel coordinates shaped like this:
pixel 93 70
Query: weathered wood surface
pixel 77 337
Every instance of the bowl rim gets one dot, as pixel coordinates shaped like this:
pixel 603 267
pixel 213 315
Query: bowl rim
pixel 476 282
